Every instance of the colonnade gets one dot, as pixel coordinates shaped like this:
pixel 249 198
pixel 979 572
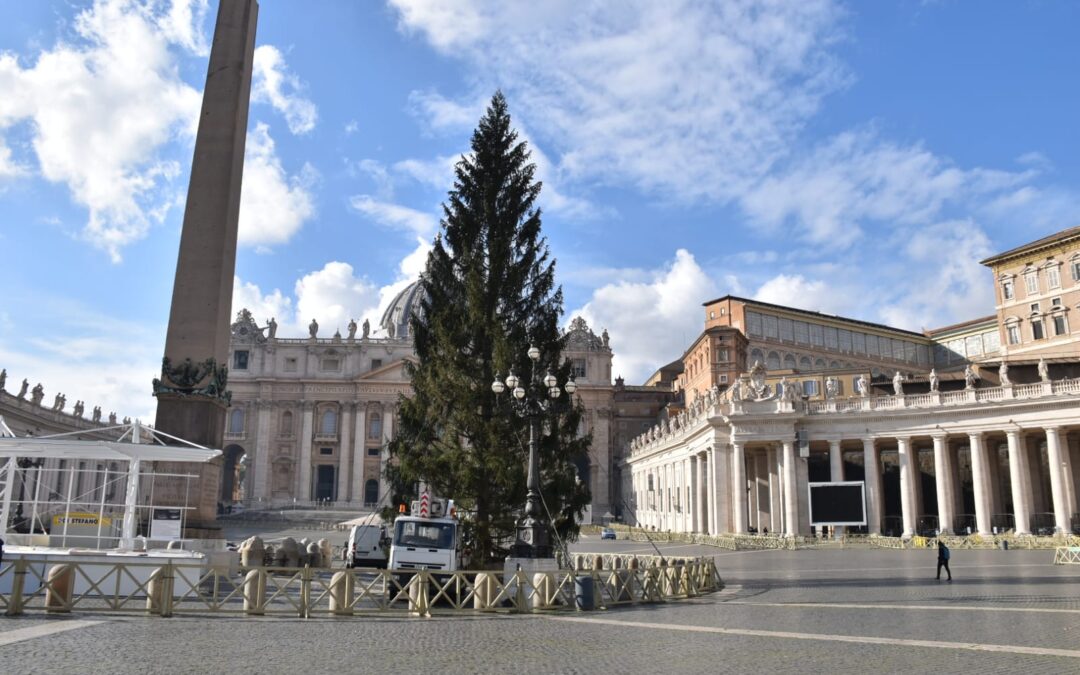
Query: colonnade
pixel 952 480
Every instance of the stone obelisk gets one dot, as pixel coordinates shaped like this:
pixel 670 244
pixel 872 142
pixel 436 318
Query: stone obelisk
pixel 191 393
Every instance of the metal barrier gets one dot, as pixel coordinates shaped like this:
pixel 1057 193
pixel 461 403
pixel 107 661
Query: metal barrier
pixel 1067 555
pixel 179 588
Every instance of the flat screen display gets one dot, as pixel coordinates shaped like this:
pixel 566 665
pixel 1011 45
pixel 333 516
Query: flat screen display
pixel 837 503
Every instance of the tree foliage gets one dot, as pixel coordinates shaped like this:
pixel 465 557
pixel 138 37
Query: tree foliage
pixel 488 293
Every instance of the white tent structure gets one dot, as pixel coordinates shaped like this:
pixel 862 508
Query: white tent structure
pixel 135 444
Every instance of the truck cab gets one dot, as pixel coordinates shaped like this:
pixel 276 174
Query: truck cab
pixel 427 539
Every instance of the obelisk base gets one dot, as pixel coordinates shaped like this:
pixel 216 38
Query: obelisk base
pixel 198 420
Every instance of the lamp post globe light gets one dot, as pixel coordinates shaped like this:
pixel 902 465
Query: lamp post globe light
pixel 532 400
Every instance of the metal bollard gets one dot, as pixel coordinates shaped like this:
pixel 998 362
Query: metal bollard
pixel 341 592
pixel 419 602
pixel 61 584
pixel 155 589
pixel 255 592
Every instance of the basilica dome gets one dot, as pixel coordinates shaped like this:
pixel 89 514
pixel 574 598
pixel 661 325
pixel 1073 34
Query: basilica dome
pixel 395 320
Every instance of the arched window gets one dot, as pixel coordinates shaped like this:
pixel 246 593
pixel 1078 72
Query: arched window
pixel 806 363
pixel 374 426
pixel 286 423
pixel 789 362
pixel 236 421
pixel 371 491
pixel 820 363
pixel 757 355
pixel 773 362
pixel 329 423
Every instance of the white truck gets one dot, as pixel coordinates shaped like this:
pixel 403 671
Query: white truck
pixel 428 538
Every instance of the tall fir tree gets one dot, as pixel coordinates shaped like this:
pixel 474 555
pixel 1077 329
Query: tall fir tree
pixel 488 294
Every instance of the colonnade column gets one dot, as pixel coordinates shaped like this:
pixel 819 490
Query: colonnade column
pixel 1057 480
pixel 1017 466
pixel 703 494
pixel 874 498
pixel 774 492
pixel 344 451
pixel 907 484
pixel 791 510
pixel 836 469
pixel 943 483
pixel 980 475
pixel 738 487
pixel 303 490
pixel 697 466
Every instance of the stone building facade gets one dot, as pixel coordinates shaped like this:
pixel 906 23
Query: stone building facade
pixel 968 428
pixel 311 418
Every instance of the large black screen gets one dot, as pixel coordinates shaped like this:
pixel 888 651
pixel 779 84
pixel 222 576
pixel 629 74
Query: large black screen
pixel 837 504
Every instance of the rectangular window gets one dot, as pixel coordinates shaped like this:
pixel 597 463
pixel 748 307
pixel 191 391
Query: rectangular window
pixel 376 364
pixel 831 338
pixel 859 342
pixel 329 364
pixel 753 324
pixel 579 369
pixel 1037 329
pixel 290 364
pixel 817 336
pixel 1060 328
pixel 991 342
pixel 1076 270
pixel 1007 289
pixel 802 332
pixel 373 452
pixel 1053 277
pixel 723 378
pixel 1055 302
pixel 722 355
pixel 786 330
pixel 326 451
pixel 845 340
pixel 771 328
pixel 872 345
pixel 810 387
pixel 1032 281
pixel 240 360
pixel 1034 307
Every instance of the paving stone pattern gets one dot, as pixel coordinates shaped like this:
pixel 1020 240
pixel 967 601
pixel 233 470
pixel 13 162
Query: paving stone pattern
pixel 889 587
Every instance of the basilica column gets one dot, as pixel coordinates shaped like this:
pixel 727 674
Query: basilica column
pixel 1057 480
pixel 791 504
pixel 738 486
pixel 303 490
pixel 344 451
pixel 260 485
pixel 384 453
pixel 1017 467
pixel 875 498
pixel 943 483
pixel 357 467
pixel 980 475
pixel 907 484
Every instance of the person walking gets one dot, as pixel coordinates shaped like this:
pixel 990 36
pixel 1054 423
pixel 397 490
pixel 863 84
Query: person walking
pixel 943 554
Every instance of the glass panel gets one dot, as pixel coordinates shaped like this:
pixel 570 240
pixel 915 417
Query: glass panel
pixel 753 324
pixel 859 343
pixel 787 331
pixel 817 336
pixel 845 340
pixel 770 326
pixel 802 332
pixel 830 337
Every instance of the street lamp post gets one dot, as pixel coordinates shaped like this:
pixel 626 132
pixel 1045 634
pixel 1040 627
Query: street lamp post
pixel 528 401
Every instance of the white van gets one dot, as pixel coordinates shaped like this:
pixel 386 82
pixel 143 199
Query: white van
pixel 365 547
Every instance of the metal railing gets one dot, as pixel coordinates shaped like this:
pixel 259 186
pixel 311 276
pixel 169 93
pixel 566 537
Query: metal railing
pixel 180 588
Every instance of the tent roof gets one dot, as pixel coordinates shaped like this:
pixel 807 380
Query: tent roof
pixel 153 446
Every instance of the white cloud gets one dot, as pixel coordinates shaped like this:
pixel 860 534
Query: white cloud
pixel 182 24
pixel 101 111
pixel 684 99
pixel 8 167
pixel 273 205
pixel 437 172
pixel 271 82
pixel 274 304
pixel 650 322
pixel 796 291
pixel 395 215
pixel 856 178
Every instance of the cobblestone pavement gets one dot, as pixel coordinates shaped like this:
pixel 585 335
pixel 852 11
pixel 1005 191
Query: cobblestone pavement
pixel 841 611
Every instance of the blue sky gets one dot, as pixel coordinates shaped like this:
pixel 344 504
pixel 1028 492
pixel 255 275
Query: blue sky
pixel 851 158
